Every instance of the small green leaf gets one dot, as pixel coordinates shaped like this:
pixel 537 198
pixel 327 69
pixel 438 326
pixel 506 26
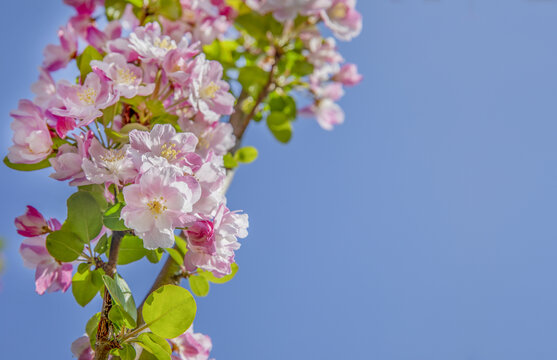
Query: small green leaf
pixel 122 295
pixel 84 61
pixel 85 285
pixel 199 285
pixel 131 249
pixel 112 218
pixel 246 155
pixel 229 161
pixel 97 191
pixel 156 345
pixel 169 311
pixel 280 127
pixel 84 215
pixel 64 245
pixel 253 79
pixel 119 317
pixel 154 256
pixel 92 326
pixel 116 136
pixel 212 278
pixel 102 245
pixel 136 3
pixel 28 167
pixel 176 256
pixel 127 352
pixel 181 244
pixel 171 9
pixel 302 68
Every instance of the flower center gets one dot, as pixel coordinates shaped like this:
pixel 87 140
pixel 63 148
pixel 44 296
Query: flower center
pixel 125 76
pixel 338 11
pixel 165 44
pixel 169 152
pixel 210 90
pixel 87 96
pixel 113 156
pixel 157 206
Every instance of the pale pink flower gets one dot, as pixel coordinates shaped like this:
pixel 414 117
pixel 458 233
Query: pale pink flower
pixel 162 142
pixel 284 10
pixel 86 101
pixel 68 160
pixel 324 56
pixel 110 166
pixel 126 78
pixel 191 346
pixel 217 137
pixel 177 64
pixel 211 242
pixel 33 223
pixel 343 19
pixel 348 75
pixel 58 56
pixel 148 42
pixel 327 113
pixel 98 39
pixel 81 348
pixel 208 92
pixel 155 206
pixel 210 176
pixel 32 141
pixel 45 90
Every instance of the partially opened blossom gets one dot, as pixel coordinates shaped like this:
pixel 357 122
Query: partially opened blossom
pixel 32 141
pixel 68 160
pixel 58 56
pixel 348 75
pixel 126 78
pixel 155 206
pixel 326 112
pixel 45 90
pixel 149 43
pixel 98 39
pixel 178 64
pixel 212 242
pixel 110 166
pixel 288 9
pixel 343 19
pixel 217 137
pixel 33 223
pixel 81 348
pixel 191 346
pixel 83 6
pixel 208 92
pixel 85 102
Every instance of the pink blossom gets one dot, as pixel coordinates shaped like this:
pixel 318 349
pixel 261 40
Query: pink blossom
pixel 327 113
pixel 32 141
pixel 83 6
pixel 148 42
pixel 211 242
pixel 126 78
pixel 348 75
pixel 58 56
pixel 324 56
pixel 217 137
pixel 86 101
pixel 155 206
pixel 177 64
pixel 208 92
pixel 81 348
pixel 110 166
pixel 32 223
pixel 284 10
pixel 50 275
pixel 67 163
pixel 343 19
pixel 98 39
pixel 45 90
pixel 191 346
pixel 162 142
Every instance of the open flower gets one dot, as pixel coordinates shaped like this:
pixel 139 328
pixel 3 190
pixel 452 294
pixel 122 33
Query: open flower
pixel 126 78
pixel 110 166
pixel 58 56
pixel 191 346
pixel 156 206
pixel 343 19
pixel 284 10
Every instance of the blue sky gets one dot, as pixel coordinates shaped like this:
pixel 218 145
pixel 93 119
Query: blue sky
pixel 422 228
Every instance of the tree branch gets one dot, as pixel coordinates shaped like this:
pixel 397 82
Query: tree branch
pixel 102 344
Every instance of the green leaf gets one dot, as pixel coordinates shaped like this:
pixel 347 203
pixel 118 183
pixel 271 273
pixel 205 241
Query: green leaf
pixel 116 136
pixel 64 245
pixel 199 285
pixel 246 155
pixel 92 326
pixel 127 352
pixel 170 9
pixel 112 218
pixel 136 3
pixel 257 26
pixel 85 285
pixel 176 256
pixel 97 191
pixel 181 244
pixel 154 256
pixel 169 311
pixel 223 51
pixel 114 9
pixel 122 295
pixel 229 161
pixel 119 317
pixel 283 104
pixel 302 68
pixel 280 127
pixel 253 79
pixel 84 215
pixel 131 249
pixel 102 245
pixel 28 167
pixel 156 345
pixel 84 61
pixel 212 278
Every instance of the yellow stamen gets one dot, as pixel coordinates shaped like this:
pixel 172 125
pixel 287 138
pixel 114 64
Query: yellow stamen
pixel 338 11
pixel 125 76
pixel 87 96
pixel 169 152
pixel 157 206
pixel 210 90
pixel 165 44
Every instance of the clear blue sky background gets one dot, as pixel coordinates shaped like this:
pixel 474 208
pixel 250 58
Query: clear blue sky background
pixel 422 228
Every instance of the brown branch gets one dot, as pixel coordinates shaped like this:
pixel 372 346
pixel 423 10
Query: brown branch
pixel 102 343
